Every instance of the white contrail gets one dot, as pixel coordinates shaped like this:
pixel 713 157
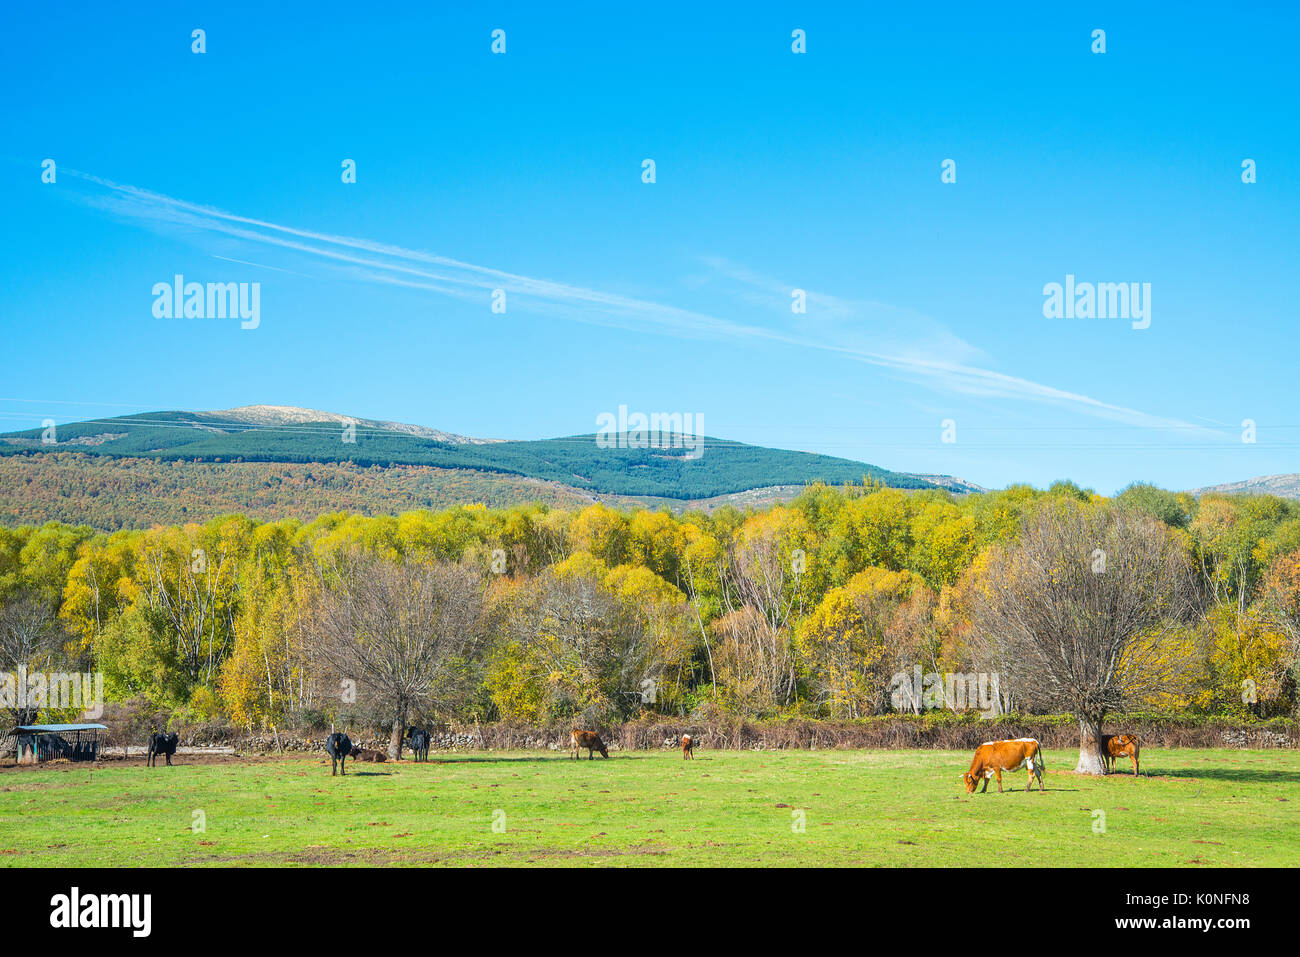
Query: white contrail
pixel 372 261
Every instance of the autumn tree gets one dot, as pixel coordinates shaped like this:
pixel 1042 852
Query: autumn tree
pixel 407 633
pixel 1082 606
pixel 591 650
pixel 761 593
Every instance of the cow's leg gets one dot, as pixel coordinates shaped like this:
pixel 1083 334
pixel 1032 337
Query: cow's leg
pixel 999 773
pixel 1135 765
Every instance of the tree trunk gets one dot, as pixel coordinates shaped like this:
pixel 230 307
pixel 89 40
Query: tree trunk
pixel 1090 761
pixel 395 739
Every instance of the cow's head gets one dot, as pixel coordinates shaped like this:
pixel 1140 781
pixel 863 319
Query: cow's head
pixel 972 782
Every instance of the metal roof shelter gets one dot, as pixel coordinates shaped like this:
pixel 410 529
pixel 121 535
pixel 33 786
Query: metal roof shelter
pixel 41 742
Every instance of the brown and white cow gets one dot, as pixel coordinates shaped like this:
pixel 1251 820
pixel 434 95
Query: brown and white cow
pixel 589 740
pixel 688 747
pixel 994 757
pixel 1117 746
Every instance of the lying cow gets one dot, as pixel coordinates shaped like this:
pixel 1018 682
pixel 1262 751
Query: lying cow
pixel 1117 746
pixel 164 744
pixel 418 739
pixel 366 754
pixel 589 740
pixel 994 757
pixel 688 745
pixel 339 747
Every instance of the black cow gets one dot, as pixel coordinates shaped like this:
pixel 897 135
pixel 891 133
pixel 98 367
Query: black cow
pixel 418 739
pixel 339 747
pixel 164 744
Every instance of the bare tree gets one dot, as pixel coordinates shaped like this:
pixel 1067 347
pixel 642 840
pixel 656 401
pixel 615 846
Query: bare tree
pixel 192 588
pixel 760 595
pixel 1080 611
pixel 31 636
pixel 407 633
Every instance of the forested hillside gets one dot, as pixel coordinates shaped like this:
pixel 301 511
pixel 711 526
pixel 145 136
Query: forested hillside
pixel 722 467
pixel 110 493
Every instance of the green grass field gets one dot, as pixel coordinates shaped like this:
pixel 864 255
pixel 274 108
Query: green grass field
pixel 725 808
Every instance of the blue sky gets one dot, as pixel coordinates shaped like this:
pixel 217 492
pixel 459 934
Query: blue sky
pixel 774 171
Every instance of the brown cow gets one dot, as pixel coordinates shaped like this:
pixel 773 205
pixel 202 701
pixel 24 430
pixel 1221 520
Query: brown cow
pixel 1116 746
pixel 994 757
pixel 688 746
pixel 589 740
pixel 366 754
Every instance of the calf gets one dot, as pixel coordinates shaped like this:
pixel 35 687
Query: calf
pixel 1117 746
pixel 688 745
pixel 365 754
pixel 994 757
pixel 339 747
pixel 164 744
pixel 418 739
pixel 589 740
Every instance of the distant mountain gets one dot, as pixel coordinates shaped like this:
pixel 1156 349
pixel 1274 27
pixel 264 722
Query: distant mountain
pixel 1283 486
pixel 950 482
pixel 273 415
pixel 573 466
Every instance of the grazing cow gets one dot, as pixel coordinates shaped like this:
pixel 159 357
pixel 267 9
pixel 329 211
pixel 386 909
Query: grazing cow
pixel 339 747
pixel 418 739
pixel 365 754
pixel 994 757
pixel 589 740
pixel 164 744
pixel 688 745
pixel 1117 746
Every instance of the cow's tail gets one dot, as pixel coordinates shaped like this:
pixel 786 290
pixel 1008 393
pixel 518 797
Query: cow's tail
pixel 1039 764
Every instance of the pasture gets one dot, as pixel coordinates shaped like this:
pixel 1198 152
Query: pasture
pixel 726 808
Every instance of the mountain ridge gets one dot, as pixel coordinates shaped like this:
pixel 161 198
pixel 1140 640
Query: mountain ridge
pixel 1282 484
pixel 698 469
